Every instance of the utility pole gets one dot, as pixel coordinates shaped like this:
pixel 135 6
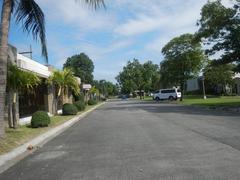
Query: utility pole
pixel 203 85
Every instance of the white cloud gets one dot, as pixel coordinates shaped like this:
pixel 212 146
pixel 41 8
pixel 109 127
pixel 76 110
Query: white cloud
pixel 162 16
pixel 76 14
pixel 139 25
pixel 121 26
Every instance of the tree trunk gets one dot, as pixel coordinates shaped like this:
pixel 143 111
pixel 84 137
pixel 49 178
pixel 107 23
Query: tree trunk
pixel 55 101
pixel 14 110
pixel 56 105
pixel 4 31
pixel 10 115
pixel 182 91
pixel 140 94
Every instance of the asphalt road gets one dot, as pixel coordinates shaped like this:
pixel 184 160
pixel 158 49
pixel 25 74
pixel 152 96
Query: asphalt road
pixel 130 140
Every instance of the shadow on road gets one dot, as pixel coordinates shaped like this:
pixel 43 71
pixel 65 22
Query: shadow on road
pixel 164 107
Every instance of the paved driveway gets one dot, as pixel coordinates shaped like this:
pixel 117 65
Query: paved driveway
pixel 130 140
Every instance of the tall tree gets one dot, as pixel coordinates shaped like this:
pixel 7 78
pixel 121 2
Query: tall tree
pixel 106 88
pixel 219 28
pixel 130 78
pixel 219 75
pixel 29 14
pixel 137 76
pixel 151 75
pixel 183 60
pixel 82 67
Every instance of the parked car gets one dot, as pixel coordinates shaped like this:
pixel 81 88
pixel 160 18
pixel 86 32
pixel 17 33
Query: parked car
pixel 170 94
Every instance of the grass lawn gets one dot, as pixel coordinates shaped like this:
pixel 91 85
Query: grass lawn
pixel 16 137
pixel 148 98
pixel 230 101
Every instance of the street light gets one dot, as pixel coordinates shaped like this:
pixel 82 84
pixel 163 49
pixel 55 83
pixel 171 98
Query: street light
pixel 203 85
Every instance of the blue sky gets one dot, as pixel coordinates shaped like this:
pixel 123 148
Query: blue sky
pixel 111 37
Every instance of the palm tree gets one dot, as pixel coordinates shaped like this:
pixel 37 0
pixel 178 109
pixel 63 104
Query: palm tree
pixel 18 80
pixel 62 81
pixel 30 15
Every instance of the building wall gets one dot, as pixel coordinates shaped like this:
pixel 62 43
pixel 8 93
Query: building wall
pixel 237 85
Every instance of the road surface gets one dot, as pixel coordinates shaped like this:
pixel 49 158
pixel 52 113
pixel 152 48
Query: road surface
pixel 132 140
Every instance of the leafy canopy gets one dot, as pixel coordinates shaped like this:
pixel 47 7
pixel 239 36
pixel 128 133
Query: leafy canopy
pixel 106 88
pixel 219 28
pixel 221 74
pixel 183 59
pixel 82 66
pixel 137 76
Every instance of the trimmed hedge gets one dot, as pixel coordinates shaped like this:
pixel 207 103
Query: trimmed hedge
pixel 69 109
pixel 80 105
pixel 92 102
pixel 40 119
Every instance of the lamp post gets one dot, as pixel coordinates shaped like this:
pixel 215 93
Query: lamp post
pixel 203 85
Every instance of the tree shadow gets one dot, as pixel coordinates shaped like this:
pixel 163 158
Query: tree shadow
pixel 165 107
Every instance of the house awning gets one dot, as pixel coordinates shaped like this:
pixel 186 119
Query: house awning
pixel 28 64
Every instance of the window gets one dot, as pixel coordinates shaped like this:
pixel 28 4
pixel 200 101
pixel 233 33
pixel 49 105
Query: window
pixel 168 91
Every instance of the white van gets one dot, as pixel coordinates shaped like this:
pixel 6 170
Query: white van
pixel 170 94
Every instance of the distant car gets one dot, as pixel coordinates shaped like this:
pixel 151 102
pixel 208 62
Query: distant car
pixel 167 94
pixel 124 97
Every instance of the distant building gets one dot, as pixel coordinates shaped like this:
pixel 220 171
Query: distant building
pixel 195 84
pixel 236 87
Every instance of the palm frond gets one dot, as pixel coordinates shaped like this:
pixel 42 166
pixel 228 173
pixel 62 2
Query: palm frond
pixel 95 3
pixel 64 79
pixel 32 18
pixel 19 79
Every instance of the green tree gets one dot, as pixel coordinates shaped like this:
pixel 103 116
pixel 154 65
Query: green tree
pixel 151 75
pixel 82 67
pixel 131 78
pixel 18 80
pixel 219 75
pixel 137 76
pixel 106 88
pixel 94 92
pixel 31 17
pixel 219 28
pixel 62 81
pixel 183 60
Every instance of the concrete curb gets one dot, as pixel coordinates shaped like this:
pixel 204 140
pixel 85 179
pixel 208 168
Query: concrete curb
pixel 9 159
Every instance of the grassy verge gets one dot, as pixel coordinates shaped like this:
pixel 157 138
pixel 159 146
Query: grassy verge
pixel 16 137
pixel 148 98
pixel 228 101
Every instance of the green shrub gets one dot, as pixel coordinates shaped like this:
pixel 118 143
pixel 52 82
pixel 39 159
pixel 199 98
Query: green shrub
pixel 80 105
pixel 92 102
pixel 69 109
pixel 79 97
pixel 103 99
pixel 40 119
